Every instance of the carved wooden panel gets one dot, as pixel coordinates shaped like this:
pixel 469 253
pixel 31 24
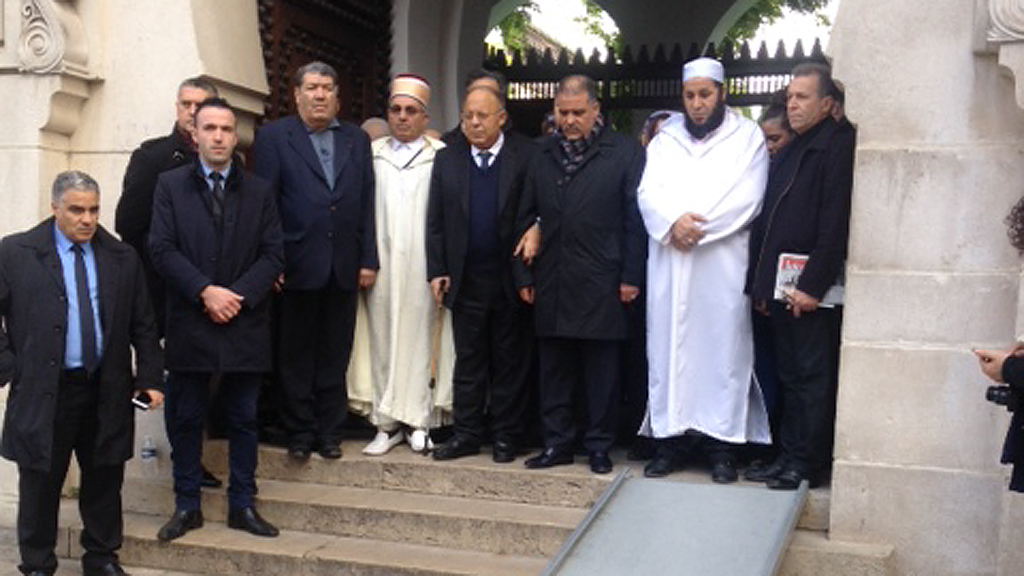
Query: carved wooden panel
pixel 353 36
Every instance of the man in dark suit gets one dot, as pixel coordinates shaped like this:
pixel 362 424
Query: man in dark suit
pixel 471 217
pixel 582 186
pixel 73 305
pixel 216 240
pixel 135 206
pixel 322 174
pixel 807 212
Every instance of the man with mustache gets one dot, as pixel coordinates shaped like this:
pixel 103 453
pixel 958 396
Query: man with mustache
pixel 321 171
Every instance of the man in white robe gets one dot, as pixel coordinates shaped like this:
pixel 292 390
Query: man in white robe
pixel 390 373
pixel 702 187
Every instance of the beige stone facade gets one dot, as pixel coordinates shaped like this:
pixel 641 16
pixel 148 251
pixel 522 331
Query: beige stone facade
pixel 937 90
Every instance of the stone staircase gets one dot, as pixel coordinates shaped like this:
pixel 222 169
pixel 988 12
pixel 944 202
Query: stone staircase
pixel 402 514
pixel 405 514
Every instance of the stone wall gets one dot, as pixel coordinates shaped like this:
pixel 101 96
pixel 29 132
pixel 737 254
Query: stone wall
pixel 84 82
pixel 939 163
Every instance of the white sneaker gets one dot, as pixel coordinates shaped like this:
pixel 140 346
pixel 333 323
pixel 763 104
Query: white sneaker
pixel 383 442
pixel 419 440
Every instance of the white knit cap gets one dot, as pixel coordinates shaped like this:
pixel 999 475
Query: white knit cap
pixel 704 68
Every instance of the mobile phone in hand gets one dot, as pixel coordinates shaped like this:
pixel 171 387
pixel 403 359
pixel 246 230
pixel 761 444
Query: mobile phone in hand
pixel 142 400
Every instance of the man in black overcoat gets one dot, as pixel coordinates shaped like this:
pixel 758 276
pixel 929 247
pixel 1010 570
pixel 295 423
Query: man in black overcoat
pixel 806 212
pixel 74 306
pixel 581 187
pixel 475 189
pixel 216 240
pixel 149 160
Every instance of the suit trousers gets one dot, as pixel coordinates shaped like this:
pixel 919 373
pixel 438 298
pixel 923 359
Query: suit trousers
pixel 492 359
pixel 807 359
pixel 590 366
pixel 99 502
pixel 315 344
pixel 187 402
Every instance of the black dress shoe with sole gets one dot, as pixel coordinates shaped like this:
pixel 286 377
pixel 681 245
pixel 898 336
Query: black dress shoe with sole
pixel 550 457
pixel 180 523
pixel 108 569
pixel 299 453
pixel 761 472
pixel 457 447
pixel 660 467
pixel 209 480
pixel 724 472
pixel 249 520
pixel 787 480
pixel 504 451
pixel 330 451
pixel 600 462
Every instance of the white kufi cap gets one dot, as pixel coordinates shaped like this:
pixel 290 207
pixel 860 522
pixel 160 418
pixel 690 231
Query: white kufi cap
pixel 704 68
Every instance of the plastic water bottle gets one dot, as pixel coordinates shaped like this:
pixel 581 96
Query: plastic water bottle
pixel 148 456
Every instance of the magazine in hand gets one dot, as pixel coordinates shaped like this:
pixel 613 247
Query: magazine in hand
pixel 788 273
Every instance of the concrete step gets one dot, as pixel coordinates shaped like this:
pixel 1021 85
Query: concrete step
pixel 9 559
pixel 463 523
pixel 216 549
pixel 812 553
pixel 402 470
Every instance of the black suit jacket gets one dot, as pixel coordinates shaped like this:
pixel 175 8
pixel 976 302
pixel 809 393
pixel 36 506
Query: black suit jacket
pixel 33 307
pixel 592 238
pixel 135 206
pixel 806 210
pixel 191 251
pixel 327 220
pixel 448 210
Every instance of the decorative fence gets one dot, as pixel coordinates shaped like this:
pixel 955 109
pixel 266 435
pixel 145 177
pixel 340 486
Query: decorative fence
pixel 643 81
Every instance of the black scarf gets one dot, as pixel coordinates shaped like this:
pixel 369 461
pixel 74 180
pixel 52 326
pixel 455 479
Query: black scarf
pixel 574 150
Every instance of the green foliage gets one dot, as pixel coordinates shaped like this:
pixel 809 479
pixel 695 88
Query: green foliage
pixel 767 12
pixel 593 25
pixel 513 27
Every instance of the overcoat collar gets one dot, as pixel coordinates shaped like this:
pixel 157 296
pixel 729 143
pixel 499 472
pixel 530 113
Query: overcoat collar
pixel 108 259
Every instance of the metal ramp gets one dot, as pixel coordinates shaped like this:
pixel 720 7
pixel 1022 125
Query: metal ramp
pixel 653 527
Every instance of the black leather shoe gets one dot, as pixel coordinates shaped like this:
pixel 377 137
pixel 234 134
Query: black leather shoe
pixel 789 479
pixel 330 451
pixel 249 520
pixel 550 457
pixel 761 472
pixel 181 522
pixel 660 467
pixel 457 447
pixel 298 453
pixel 600 462
pixel 108 569
pixel 724 471
pixel 504 451
pixel 209 480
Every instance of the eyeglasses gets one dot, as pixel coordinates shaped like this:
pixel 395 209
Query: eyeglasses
pixel 409 110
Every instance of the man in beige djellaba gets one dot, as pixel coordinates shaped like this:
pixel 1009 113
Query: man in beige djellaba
pixel 400 376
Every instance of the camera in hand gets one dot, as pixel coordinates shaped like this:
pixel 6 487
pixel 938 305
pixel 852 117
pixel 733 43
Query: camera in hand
pixel 1003 396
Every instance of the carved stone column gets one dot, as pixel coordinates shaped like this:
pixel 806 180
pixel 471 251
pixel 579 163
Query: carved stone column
pixel 1006 35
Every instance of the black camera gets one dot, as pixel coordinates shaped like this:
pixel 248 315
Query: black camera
pixel 1003 396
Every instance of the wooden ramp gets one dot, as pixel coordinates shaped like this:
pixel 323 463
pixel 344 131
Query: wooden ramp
pixel 643 526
